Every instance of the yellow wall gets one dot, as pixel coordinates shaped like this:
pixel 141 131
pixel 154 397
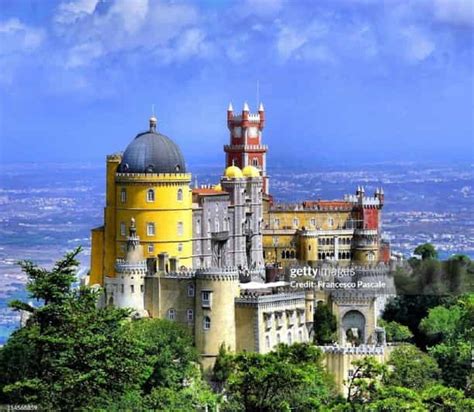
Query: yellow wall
pixel 97 256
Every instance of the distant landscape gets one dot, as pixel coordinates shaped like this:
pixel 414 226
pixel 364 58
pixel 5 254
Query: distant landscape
pixel 47 209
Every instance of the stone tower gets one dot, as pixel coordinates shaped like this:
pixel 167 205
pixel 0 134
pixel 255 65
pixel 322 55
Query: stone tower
pixel 245 146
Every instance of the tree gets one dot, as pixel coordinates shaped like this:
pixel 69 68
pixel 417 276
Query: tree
pixel 412 368
pixel 290 377
pixel 426 251
pixel 77 353
pixel 453 327
pixel 395 332
pixel 442 398
pixel 366 380
pixel 324 326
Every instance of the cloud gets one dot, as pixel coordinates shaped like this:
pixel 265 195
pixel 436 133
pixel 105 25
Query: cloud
pixel 456 12
pixel 17 37
pixel 70 12
pixel 418 46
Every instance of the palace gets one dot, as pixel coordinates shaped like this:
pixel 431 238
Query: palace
pixel 217 259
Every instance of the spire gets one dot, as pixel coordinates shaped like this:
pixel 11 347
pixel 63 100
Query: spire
pixel 246 107
pixel 230 108
pixel 132 240
pixel 260 107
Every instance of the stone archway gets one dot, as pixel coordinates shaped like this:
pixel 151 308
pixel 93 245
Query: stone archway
pixel 353 327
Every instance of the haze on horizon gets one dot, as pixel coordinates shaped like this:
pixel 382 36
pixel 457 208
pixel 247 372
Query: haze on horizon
pixel 364 80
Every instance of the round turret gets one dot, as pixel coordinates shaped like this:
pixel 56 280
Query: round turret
pixel 233 172
pixel 250 171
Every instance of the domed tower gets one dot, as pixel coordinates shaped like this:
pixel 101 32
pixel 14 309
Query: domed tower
pixel 149 183
pixel 216 290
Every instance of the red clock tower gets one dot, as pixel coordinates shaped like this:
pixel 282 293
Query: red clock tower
pixel 245 146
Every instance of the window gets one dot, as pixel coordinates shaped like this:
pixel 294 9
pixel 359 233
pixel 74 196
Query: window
pixel 255 162
pixel 312 222
pixel 198 227
pixel 267 342
pixel 278 338
pixel 296 222
pixel 180 228
pixel 123 229
pixel 206 298
pixel 180 247
pixel 290 338
pixel 150 195
pixel 171 314
pixel 190 291
pixel 276 223
pixel 132 288
pixel 300 336
pixel 179 196
pixel 142 288
pixel 151 248
pixel 216 225
pixel 275 240
pixel 268 320
pixel 150 229
pixel 123 195
pixel 206 323
pixel 190 315
pixel 122 288
pixel 331 221
pixel 122 248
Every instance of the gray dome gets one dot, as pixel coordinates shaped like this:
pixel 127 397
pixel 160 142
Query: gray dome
pixel 152 152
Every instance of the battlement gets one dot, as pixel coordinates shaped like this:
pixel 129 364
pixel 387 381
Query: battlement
pixel 147 177
pixel 353 350
pixel 115 157
pixel 254 298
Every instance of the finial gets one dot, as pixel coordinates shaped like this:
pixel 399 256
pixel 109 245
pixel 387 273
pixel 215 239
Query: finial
pixel 230 108
pixel 233 162
pixel 246 107
pixel 153 123
pixel 132 222
pixel 132 230
pixel 260 107
pixel 381 191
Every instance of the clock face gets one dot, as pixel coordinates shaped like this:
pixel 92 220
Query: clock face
pixel 237 132
pixel 252 132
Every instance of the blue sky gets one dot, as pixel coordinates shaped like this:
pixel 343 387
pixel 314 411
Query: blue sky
pixel 367 80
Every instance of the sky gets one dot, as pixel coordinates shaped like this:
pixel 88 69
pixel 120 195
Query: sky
pixel 341 80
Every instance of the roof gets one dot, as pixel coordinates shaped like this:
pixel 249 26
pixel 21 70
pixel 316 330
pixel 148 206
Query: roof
pixel 152 152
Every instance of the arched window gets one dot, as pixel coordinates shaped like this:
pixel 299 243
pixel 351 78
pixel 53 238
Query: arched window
pixel 283 254
pixel 309 247
pixel 123 195
pixel 255 162
pixel 150 195
pixel 180 195
pixel 267 342
pixel 191 290
pixel 287 254
pixel 190 315
pixel 300 336
pixel 292 254
pixel 171 314
pixel 278 338
pixel 206 323
pixel 290 338
pixel 180 228
pixel 150 229
pixel 216 225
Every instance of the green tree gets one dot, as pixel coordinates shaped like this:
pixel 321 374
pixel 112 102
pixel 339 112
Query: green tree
pixel 288 378
pixel 395 332
pixel 365 381
pixel 441 398
pixel 453 328
pixel 324 326
pixel 77 353
pixel 426 251
pixel 411 368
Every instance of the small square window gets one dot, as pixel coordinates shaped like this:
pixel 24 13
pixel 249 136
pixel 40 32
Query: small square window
pixel 151 248
pixel 180 247
pixel 190 291
pixel 123 229
pixel 190 315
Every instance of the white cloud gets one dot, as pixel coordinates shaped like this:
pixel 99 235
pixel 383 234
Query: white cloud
pixel 83 54
pixel 418 46
pixel 70 12
pixel 16 36
pixel 457 12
